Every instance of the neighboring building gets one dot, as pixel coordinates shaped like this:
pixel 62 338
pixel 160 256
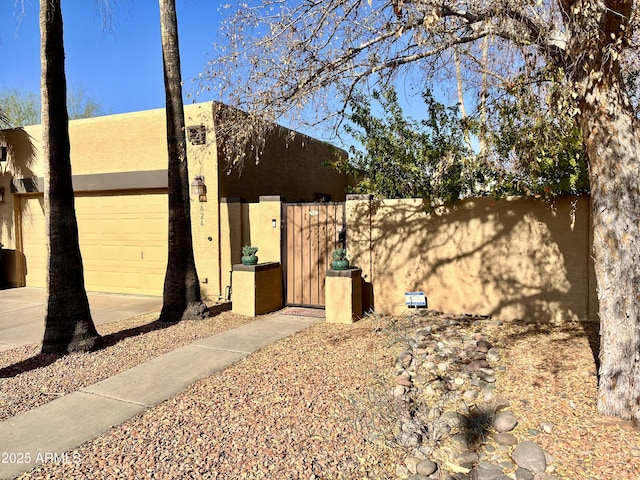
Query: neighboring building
pixel 119 165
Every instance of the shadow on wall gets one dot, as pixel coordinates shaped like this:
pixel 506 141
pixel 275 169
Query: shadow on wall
pixel 8 266
pixel 510 258
pixel 22 157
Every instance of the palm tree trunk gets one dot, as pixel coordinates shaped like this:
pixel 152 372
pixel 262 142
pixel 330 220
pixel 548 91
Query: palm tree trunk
pixel 181 297
pixel 68 323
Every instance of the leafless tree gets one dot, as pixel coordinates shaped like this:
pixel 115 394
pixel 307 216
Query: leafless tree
pixel 301 60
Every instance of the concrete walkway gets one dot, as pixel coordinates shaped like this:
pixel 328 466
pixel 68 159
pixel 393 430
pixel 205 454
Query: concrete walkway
pixel 47 432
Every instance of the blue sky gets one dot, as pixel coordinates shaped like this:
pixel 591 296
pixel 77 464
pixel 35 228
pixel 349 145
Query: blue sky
pixel 119 67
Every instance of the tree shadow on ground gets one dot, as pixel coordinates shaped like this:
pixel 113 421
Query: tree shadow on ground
pixel 589 330
pixel 44 359
pixel 32 363
pixel 112 339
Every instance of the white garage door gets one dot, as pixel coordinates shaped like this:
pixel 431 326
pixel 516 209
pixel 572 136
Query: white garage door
pixel 123 240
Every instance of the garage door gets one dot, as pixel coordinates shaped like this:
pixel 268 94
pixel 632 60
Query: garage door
pixel 123 240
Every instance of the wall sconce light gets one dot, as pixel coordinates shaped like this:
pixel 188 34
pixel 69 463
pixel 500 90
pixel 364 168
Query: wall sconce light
pixel 1 194
pixel 199 188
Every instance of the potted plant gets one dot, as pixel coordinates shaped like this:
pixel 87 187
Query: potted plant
pixel 340 260
pixel 249 255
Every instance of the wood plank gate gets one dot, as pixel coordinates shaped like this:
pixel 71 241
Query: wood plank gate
pixel 312 232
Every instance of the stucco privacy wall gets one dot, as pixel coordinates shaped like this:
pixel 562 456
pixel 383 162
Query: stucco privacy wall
pixel 258 224
pixel 510 258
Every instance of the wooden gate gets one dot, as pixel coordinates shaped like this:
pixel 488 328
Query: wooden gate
pixel 312 232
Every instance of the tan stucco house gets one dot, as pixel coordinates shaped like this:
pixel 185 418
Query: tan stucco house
pixel 119 165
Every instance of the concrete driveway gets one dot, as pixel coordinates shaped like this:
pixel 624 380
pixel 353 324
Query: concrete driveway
pixel 22 312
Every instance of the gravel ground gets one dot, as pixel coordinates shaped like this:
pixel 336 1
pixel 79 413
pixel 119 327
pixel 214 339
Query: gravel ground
pixel 301 408
pixel 29 379
pixel 286 411
pixel 551 376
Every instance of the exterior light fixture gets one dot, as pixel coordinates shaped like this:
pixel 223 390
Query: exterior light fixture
pixel 199 188
pixel 1 194
pixel 197 134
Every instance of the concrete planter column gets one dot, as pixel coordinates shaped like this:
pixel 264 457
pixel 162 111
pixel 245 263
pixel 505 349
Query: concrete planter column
pixel 256 289
pixel 343 295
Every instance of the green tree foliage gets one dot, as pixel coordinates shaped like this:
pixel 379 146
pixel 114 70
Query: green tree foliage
pixel 23 108
pixel 528 151
pixel 402 157
pixel 534 140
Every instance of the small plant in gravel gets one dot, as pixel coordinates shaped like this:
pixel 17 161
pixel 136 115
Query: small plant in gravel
pixel 478 424
pixel 400 330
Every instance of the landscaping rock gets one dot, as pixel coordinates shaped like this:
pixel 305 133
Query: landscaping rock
pixel 493 356
pixel 460 441
pixel 485 471
pixel 408 439
pixel 489 378
pixel 411 463
pixel 399 391
pixel 523 474
pixel 544 476
pixel 547 427
pixel 529 455
pixel 470 395
pixel 477 364
pixel 506 439
pixel 452 363
pixel 467 459
pixel 505 422
pixel 427 467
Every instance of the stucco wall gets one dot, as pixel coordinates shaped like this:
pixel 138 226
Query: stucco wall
pixel 510 258
pixel 262 228
pixel 205 215
pixel 293 169
pixel 118 153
